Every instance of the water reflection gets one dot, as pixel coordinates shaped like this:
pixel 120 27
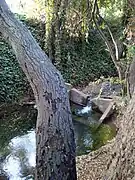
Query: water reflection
pixel 19 164
pixel 83 138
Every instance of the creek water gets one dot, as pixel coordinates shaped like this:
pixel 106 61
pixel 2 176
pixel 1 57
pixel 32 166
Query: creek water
pixel 17 140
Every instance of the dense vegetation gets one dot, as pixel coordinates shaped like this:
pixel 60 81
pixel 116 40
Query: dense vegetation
pixel 80 63
pixel 72 41
pixel 11 75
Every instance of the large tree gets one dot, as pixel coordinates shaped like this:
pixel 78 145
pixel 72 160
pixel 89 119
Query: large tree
pixel 55 137
pixel 55 153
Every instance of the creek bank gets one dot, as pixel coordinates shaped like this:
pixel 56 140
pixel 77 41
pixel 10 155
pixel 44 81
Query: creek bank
pixel 93 166
pixel 103 96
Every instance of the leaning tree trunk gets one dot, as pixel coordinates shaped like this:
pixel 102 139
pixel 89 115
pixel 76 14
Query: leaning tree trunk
pixel 55 158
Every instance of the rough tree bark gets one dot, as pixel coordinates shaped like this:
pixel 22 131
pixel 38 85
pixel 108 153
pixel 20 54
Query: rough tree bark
pixel 131 43
pixel 121 165
pixel 55 158
pixel 131 77
pixel 116 160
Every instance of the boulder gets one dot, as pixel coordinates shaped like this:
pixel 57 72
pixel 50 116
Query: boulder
pixel 78 97
pixel 103 89
pixel 102 104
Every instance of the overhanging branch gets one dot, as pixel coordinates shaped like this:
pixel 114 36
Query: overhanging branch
pixel 95 12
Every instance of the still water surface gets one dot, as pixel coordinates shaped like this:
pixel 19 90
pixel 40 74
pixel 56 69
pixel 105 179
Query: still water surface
pixel 18 147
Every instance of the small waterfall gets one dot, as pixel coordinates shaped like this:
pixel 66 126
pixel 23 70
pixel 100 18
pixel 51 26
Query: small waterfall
pixel 85 111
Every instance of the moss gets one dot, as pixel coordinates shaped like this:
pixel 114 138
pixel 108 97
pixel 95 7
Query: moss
pixel 95 135
pixel 102 135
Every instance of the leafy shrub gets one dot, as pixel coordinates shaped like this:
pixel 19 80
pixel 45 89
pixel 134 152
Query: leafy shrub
pixel 11 75
pixel 83 62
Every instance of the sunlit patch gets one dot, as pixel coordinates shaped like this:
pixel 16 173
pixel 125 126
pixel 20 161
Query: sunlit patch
pixel 22 157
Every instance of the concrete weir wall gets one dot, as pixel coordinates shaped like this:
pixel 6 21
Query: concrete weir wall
pixel 105 105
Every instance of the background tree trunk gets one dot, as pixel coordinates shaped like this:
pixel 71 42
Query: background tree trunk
pixel 116 160
pixel 55 158
pixel 131 77
pixel 121 163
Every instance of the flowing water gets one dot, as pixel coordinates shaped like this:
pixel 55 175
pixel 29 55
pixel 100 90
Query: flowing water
pixel 17 139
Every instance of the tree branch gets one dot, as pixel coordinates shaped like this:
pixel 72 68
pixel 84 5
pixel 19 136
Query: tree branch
pixel 94 13
pixel 109 30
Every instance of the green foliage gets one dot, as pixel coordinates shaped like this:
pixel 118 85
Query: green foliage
pixel 83 62
pixel 112 9
pixel 11 76
pixel 131 50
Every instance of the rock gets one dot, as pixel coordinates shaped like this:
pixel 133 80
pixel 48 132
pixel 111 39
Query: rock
pixel 92 89
pixel 103 89
pixel 78 97
pixel 69 86
pixel 107 112
pixel 102 104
